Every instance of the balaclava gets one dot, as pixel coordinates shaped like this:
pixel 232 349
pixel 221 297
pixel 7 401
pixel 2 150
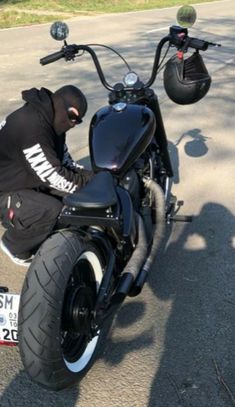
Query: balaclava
pixel 63 98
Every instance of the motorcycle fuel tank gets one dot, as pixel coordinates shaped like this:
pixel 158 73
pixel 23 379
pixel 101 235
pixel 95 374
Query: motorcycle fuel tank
pixel 118 135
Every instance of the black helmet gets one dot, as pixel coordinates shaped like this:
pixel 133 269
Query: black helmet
pixel 186 81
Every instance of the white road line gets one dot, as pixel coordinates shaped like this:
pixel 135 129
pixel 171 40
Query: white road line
pixel 229 61
pixel 157 29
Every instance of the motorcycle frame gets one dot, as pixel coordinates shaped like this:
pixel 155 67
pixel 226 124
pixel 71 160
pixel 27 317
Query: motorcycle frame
pixel 160 135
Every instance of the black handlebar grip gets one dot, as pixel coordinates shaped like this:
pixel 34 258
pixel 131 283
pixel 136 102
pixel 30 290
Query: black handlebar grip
pixel 52 58
pixel 198 44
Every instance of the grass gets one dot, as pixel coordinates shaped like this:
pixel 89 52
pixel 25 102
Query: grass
pixel 24 12
pixel 14 18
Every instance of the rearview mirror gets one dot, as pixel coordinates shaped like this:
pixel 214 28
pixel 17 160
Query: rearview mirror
pixel 186 16
pixel 59 31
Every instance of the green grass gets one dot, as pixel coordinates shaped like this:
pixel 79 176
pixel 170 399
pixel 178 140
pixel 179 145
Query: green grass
pixel 13 19
pixel 94 5
pixel 11 14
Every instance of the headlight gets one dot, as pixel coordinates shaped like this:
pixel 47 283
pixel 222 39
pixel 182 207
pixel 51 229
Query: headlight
pixel 130 79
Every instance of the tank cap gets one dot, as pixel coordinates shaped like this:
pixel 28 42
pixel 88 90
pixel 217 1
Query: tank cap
pixel 119 107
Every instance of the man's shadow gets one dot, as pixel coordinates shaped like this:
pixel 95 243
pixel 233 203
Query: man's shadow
pixel 197 274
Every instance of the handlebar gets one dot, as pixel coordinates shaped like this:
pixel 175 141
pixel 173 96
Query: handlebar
pixel 177 37
pixel 52 57
pixel 201 45
pixel 69 52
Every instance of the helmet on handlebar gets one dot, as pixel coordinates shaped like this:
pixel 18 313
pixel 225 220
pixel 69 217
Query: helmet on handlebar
pixel 186 81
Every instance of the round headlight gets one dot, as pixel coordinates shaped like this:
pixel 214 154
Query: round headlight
pixel 130 79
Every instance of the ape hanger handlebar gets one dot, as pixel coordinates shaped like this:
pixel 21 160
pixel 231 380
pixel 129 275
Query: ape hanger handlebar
pixel 177 37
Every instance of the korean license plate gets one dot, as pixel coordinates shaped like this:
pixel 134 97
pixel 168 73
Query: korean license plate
pixel 9 307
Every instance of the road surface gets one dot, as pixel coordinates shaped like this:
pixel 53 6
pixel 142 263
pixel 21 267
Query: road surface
pixel 174 344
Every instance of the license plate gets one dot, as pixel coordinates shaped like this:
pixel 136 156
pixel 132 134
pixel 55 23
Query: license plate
pixel 9 307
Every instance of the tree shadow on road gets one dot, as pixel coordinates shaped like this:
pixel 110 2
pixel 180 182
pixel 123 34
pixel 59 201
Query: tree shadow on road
pixel 197 273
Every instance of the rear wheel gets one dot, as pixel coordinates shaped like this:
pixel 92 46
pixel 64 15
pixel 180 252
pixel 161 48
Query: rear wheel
pixel 56 340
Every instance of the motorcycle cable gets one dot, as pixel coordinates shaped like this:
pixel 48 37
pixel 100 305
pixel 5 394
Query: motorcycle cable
pixel 113 50
pixel 80 54
pixel 160 66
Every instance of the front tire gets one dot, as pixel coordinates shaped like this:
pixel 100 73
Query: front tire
pixel 58 295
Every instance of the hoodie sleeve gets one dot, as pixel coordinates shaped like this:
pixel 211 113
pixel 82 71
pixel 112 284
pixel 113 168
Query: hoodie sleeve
pixel 44 163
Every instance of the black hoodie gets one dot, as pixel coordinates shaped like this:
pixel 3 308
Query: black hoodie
pixel 31 153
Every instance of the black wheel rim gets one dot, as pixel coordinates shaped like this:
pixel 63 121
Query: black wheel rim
pixel 79 298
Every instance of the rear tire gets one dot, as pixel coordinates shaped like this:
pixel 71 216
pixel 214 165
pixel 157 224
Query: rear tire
pixel 62 280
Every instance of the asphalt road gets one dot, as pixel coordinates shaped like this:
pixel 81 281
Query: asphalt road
pixel 174 344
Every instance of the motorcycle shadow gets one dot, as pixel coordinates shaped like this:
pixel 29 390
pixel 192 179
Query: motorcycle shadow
pixel 196 276
pixel 22 392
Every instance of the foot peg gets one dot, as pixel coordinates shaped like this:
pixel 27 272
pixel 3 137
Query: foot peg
pixel 180 218
pixel 173 209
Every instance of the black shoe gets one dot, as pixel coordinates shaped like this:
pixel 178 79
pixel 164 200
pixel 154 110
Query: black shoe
pixel 23 259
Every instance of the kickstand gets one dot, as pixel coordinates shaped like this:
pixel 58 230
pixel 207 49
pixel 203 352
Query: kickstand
pixel 173 209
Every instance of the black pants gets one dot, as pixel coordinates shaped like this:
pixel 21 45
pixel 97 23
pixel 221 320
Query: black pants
pixel 31 219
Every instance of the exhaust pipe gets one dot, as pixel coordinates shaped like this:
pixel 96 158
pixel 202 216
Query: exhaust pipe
pixel 159 202
pixel 136 271
pixel 160 221
pixel 131 270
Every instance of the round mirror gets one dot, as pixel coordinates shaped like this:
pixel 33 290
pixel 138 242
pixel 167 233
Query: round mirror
pixel 59 31
pixel 186 16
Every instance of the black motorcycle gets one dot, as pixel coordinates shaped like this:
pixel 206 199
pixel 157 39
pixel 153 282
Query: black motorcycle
pixel 109 232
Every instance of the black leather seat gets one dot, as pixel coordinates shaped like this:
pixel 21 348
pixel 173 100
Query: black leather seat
pixel 98 193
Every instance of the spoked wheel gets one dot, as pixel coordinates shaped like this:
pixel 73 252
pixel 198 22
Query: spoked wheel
pixel 57 336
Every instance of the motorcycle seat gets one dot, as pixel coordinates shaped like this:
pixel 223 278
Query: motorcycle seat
pixel 98 193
